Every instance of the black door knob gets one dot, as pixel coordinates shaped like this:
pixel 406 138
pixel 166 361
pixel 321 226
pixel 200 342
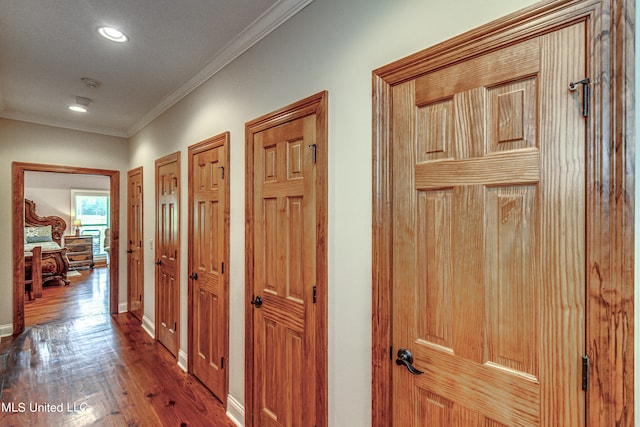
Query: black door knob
pixel 193 276
pixel 257 301
pixel 406 358
pixel 159 262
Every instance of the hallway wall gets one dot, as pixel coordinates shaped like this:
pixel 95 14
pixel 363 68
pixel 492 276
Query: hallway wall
pixel 331 45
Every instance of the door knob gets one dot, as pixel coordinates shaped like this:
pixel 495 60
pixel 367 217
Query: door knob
pixel 130 251
pixel 257 301
pixel 159 262
pixel 193 276
pixel 406 358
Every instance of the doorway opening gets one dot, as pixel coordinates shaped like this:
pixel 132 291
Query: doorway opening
pixel 18 176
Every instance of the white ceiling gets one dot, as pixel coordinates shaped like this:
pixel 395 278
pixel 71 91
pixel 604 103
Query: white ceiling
pixel 47 46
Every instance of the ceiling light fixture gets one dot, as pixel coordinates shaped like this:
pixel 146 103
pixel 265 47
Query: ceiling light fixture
pixel 81 105
pixel 113 34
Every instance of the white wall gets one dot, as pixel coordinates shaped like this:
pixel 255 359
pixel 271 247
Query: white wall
pixel 24 142
pixel 332 45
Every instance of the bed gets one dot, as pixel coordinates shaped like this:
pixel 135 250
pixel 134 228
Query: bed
pixel 46 233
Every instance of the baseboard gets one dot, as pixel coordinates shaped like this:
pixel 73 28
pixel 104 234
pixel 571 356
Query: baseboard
pixel 149 326
pixel 182 360
pixel 6 330
pixel 235 411
pixel 122 307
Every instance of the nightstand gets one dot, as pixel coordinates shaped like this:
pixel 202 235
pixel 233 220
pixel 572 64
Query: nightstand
pixel 80 251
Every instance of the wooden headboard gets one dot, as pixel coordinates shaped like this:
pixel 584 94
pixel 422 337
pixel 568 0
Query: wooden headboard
pixel 32 219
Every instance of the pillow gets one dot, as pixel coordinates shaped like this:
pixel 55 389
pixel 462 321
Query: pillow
pixel 38 234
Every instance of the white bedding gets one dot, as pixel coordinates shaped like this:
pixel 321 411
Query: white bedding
pixel 46 246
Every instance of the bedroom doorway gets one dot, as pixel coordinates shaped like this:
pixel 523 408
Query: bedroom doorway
pixel 18 176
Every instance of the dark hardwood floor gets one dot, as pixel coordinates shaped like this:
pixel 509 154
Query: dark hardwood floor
pixel 76 365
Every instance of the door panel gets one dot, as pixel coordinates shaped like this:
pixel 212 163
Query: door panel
pixel 209 221
pixel 135 267
pixel 488 237
pixel 284 256
pixel 167 249
pixel 286 229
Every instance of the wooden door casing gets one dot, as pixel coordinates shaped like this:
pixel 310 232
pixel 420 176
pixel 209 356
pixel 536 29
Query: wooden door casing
pixel 209 188
pixel 608 220
pixel 167 251
pixel 286 360
pixel 135 248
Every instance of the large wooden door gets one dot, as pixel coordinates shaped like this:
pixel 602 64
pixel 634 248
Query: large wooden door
pixel 286 158
pixel 208 260
pixel 167 251
pixel 488 237
pixel 135 256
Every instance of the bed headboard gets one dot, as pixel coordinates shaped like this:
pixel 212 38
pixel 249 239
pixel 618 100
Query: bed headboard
pixel 32 219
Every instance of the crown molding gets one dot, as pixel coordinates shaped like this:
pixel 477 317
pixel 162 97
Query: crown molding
pixel 270 20
pixel 39 120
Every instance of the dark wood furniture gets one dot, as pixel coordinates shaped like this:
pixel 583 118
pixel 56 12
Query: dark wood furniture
pixel 33 278
pixel 54 262
pixel 79 251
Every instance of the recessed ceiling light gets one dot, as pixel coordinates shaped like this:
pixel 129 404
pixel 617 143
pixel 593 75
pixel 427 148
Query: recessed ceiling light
pixel 81 105
pixel 113 34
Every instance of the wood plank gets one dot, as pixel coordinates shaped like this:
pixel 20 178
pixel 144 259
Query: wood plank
pixel 103 370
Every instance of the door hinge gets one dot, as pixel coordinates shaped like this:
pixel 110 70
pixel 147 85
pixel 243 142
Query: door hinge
pixel 391 352
pixel 175 326
pixel 315 294
pixel 222 268
pixel 585 372
pixel 222 363
pixel 585 94
pixel 315 151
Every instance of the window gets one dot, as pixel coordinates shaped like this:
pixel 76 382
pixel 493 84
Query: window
pixel 92 209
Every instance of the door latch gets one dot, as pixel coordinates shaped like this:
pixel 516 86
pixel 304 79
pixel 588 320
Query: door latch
pixel 585 94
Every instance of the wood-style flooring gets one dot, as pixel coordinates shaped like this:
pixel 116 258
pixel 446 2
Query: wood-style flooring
pixel 76 365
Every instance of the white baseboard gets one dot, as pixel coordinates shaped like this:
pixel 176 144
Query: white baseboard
pixel 6 330
pixel 122 307
pixel 183 363
pixel 235 411
pixel 149 326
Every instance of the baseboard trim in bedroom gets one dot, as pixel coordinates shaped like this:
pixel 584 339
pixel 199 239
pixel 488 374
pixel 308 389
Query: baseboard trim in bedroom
pixel 235 411
pixel 6 330
pixel 149 326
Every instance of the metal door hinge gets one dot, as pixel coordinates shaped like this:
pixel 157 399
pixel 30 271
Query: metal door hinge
pixel 222 268
pixel 175 326
pixel 315 151
pixel 585 372
pixel 391 352
pixel 222 363
pixel 585 94
pixel 315 294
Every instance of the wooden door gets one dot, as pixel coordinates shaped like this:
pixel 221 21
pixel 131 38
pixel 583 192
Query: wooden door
pixel 167 251
pixel 488 237
pixel 135 256
pixel 286 157
pixel 208 260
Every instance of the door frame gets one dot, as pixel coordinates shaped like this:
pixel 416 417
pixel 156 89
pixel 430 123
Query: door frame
pixel 315 104
pixel 129 174
pixel 218 140
pixel 18 170
pixel 609 194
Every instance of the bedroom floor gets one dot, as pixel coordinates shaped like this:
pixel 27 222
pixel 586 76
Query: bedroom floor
pixel 88 293
pixel 76 365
